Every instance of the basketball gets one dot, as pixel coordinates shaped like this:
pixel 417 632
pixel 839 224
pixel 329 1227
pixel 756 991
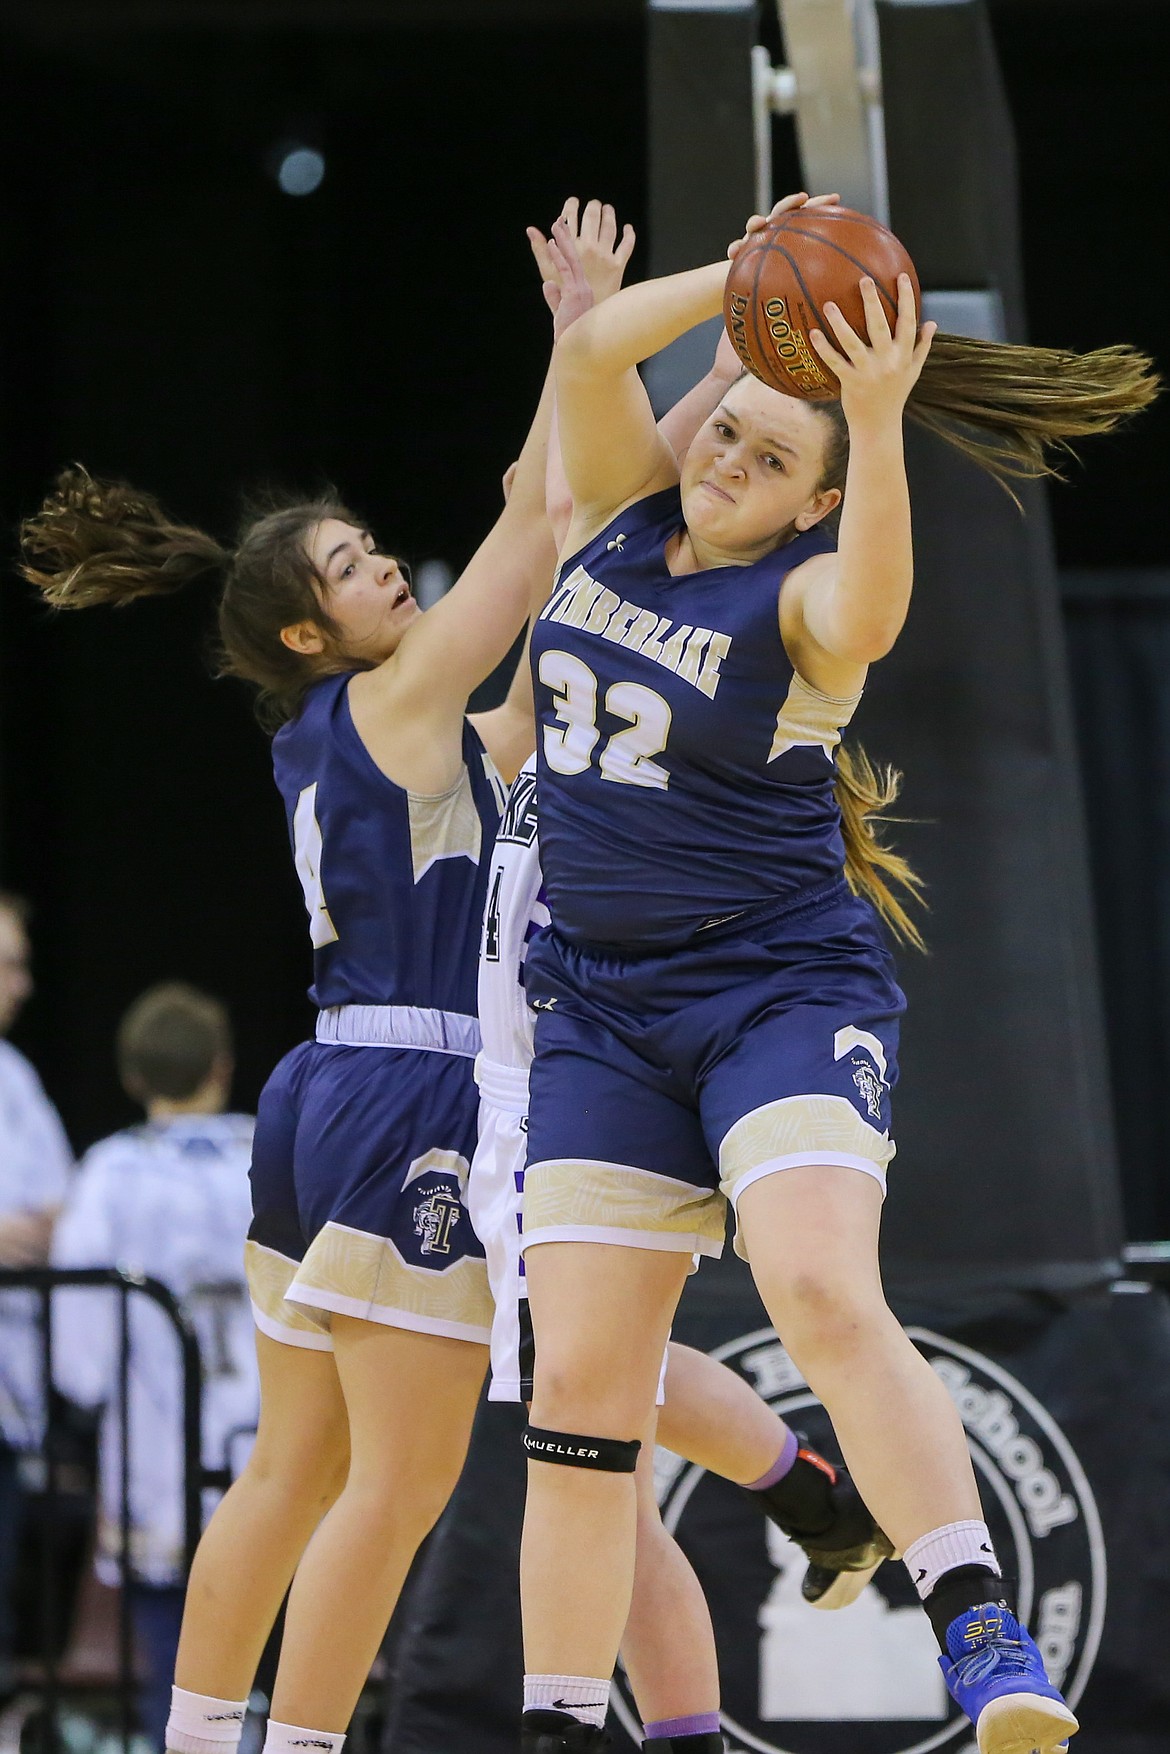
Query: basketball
pixel 782 279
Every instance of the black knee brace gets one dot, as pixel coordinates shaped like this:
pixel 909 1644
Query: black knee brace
pixel 612 1455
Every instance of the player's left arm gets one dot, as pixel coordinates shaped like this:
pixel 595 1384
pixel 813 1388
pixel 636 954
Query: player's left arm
pixel 851 606
pixel 508 731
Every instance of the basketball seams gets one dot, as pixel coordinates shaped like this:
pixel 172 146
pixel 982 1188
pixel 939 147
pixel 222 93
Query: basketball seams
pixel 803 285
pixel 840 250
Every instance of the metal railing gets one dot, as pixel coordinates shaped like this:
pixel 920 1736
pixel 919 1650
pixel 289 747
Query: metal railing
pixel 43 1281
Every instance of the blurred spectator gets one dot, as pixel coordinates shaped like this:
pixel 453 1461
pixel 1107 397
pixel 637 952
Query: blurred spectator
pixel 168 1199
pixel 35 1162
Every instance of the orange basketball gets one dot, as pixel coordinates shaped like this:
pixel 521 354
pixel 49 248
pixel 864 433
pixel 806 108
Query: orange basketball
pixel 782 279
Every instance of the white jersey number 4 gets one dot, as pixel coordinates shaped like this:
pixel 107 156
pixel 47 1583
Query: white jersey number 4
pixel 627 756
pixel 307 848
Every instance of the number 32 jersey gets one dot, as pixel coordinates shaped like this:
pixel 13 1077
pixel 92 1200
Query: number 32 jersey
pixel 685 770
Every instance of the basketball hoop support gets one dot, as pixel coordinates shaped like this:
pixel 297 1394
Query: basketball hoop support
pixel 832 86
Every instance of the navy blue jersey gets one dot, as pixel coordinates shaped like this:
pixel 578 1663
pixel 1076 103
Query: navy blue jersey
pixel 685 770
pixel 393 881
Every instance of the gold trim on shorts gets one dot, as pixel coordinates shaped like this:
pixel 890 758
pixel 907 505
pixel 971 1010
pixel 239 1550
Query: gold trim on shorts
pixel 797 1130
pixel 350 1272
pixel 269 1276
pixel 573 1199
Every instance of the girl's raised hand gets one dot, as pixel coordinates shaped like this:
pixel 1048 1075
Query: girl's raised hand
pixel 602 255
pixel 876 375
pixel 576 294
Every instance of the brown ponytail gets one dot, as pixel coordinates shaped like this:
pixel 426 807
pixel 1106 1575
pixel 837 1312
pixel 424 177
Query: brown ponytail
pixel 105 542
pixel 863 793
pixel 1014 410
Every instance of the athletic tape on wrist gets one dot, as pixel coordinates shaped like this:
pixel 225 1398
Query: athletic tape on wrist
pixel 612 1455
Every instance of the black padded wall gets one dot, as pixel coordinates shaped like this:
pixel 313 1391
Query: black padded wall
pixel 1007 1164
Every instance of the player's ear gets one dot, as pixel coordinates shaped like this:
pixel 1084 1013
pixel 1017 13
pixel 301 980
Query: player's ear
pixel 303 637
pixel 818 507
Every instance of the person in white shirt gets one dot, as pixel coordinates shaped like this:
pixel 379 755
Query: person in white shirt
pixel 169 1200
pixel 35 1164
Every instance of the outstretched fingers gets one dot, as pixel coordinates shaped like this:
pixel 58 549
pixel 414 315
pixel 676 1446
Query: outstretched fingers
pixel 564 251
pixel 925 336
pixel 590 227
pixel 787 204
pixel 837 363
pixel 576 292
pixel 541 254
pixel 876 321
pixel 906 327
pixel 848 340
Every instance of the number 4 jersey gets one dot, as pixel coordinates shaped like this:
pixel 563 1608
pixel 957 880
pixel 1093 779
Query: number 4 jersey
pixel 685 770
pixel 393 881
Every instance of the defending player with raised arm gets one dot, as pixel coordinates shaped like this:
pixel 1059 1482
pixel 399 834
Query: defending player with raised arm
pixel 367 1281
pixel 717 1010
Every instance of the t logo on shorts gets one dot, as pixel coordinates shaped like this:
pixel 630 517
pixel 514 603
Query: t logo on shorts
pixel 870 1079
pixel 434 1220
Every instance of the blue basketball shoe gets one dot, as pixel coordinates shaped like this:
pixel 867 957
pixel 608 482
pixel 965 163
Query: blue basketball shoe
pixel 994 1671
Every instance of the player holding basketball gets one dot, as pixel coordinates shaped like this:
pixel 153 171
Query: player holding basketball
pixel 717 1012
pixel 708 1414
pixel 368 1283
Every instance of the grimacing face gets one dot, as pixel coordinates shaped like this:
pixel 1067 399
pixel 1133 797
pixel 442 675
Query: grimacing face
pixel 16 982
pixel 366 595
pixel 752 472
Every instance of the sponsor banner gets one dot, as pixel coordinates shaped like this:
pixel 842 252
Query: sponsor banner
pixel 1067 1414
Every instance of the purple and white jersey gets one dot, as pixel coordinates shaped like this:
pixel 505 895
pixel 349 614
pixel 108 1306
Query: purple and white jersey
pixel 516 911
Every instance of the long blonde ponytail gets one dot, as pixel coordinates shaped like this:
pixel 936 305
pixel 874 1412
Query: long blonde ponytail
pixel 864 792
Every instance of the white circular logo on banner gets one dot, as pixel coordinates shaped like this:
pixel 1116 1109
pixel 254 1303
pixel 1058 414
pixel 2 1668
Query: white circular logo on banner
pixel 865 1679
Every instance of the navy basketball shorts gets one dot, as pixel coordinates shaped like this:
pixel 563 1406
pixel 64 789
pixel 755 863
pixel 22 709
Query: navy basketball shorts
pixel 359 1184
pixel 665 1084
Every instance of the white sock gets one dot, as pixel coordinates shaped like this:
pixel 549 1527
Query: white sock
pixel 199 1724
pixel 585 1699
pixel 289 1739
pixel 941 1550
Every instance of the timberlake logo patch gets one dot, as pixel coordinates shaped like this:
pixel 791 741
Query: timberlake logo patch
pixel 694 654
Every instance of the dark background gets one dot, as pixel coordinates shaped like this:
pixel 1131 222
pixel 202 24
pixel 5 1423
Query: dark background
pixel 167 314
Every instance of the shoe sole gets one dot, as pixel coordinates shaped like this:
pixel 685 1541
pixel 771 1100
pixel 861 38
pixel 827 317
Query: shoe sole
pixel 1024 1723
pixel 845 1587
